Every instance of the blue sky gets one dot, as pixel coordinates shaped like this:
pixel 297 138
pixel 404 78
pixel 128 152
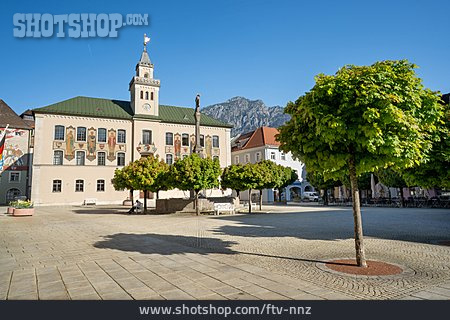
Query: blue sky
pixel 267 50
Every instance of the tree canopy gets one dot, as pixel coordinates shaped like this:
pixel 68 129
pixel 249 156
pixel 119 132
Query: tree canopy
pixel 362 119
pixel 380 113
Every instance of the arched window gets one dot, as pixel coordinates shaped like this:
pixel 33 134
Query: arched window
pixel 146 75
pixel 169 159
pixel 142 94
pixel 12 194
pixel 151 96
pixel 146 95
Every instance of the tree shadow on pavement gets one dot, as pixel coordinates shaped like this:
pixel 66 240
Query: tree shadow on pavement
pixel 152 243
pixel 422 226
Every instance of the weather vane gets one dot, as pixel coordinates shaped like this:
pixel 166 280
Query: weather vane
pixel 146 40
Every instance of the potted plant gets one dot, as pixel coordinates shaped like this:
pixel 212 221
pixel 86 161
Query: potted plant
pixel 12 205
pixel 23 208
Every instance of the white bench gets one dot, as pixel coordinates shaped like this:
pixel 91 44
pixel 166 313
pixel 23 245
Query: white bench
pixel 223 207
pixel 92 201
pixel 254 204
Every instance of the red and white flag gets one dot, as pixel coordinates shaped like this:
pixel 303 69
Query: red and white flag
pixel 2 146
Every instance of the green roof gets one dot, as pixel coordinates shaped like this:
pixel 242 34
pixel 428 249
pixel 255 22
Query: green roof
pixel 118 109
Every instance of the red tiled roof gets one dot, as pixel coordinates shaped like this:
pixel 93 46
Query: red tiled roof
pixel 8 116
pixel 260 137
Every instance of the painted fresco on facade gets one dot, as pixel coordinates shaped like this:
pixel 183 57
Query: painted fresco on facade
pixel 16 147
pixel 208 146
pixel 111 144
pixel 91 144
pixel 177 144
pixel 70 143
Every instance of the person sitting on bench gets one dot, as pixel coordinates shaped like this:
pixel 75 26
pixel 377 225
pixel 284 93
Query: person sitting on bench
pixel 137 207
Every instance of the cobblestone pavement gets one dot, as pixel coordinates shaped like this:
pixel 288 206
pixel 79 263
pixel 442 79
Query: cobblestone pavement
pixel 102 253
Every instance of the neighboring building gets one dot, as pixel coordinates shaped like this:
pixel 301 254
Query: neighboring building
pixel 81 141
pixel 261 144
pixel 15 173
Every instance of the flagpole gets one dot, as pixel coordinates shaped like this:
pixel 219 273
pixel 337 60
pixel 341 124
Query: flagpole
pixel 4 132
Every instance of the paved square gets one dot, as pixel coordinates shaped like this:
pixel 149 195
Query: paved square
pixel 103 253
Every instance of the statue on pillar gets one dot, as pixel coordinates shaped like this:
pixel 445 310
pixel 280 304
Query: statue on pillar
pixel 197 147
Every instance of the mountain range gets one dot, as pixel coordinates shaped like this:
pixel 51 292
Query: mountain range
pixel 246 115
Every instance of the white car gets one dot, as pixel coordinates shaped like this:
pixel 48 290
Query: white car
pixel 311 196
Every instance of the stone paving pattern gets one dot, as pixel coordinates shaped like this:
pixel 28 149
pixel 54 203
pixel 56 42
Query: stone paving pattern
pixel 88 253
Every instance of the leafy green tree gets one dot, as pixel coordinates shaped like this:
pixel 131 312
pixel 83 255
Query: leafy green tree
pixel 270 175
pixel 145 175
pixel 391 178
pixel 434 171
pixel 317 180
pixel 232 178
pixel 251 179
pixel 287 176
pixel 360 119
pixel 122 181
pixel 195 173
pixel 162 180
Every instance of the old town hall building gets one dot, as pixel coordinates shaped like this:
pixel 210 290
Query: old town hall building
pixel 79 142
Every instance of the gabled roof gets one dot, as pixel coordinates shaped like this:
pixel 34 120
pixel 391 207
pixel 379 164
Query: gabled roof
pixel 8 116
pixel 263 136
pixel 119 109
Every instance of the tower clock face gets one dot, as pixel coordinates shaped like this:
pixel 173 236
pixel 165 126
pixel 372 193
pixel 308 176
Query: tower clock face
pixel 146 107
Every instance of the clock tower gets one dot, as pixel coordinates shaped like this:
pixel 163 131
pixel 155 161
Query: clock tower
pixel 144 89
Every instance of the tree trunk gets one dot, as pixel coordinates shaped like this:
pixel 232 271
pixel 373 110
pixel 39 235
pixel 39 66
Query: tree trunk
pixel 279 194
pixel 325 197
pixel 145 201
pixel 402 198
pixel 249 200
pixel 359 241
pixel 238 194
pixel 157 195
pixel 260 200
pixel 197 208
pixel 131 196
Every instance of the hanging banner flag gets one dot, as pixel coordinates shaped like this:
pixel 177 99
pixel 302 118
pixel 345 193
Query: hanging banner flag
pixel 2 146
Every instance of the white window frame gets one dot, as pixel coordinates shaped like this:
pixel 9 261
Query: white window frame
pixel 274 154
pixel 98 135
pixel 124 135
pixel 76 185
pixel 215 138
pixel 150 136
pixel 171 134
pixel 171 161
pixel 247 158
pixel 84 157
pixel 236 159
pixel 60 186
pixel 104 185
pixel 62 157
pixel 184 135
pixel 85 134
pixel 124 159
pixel 63 135
pixel 258 156
pixel 19 176
pixel 104 158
